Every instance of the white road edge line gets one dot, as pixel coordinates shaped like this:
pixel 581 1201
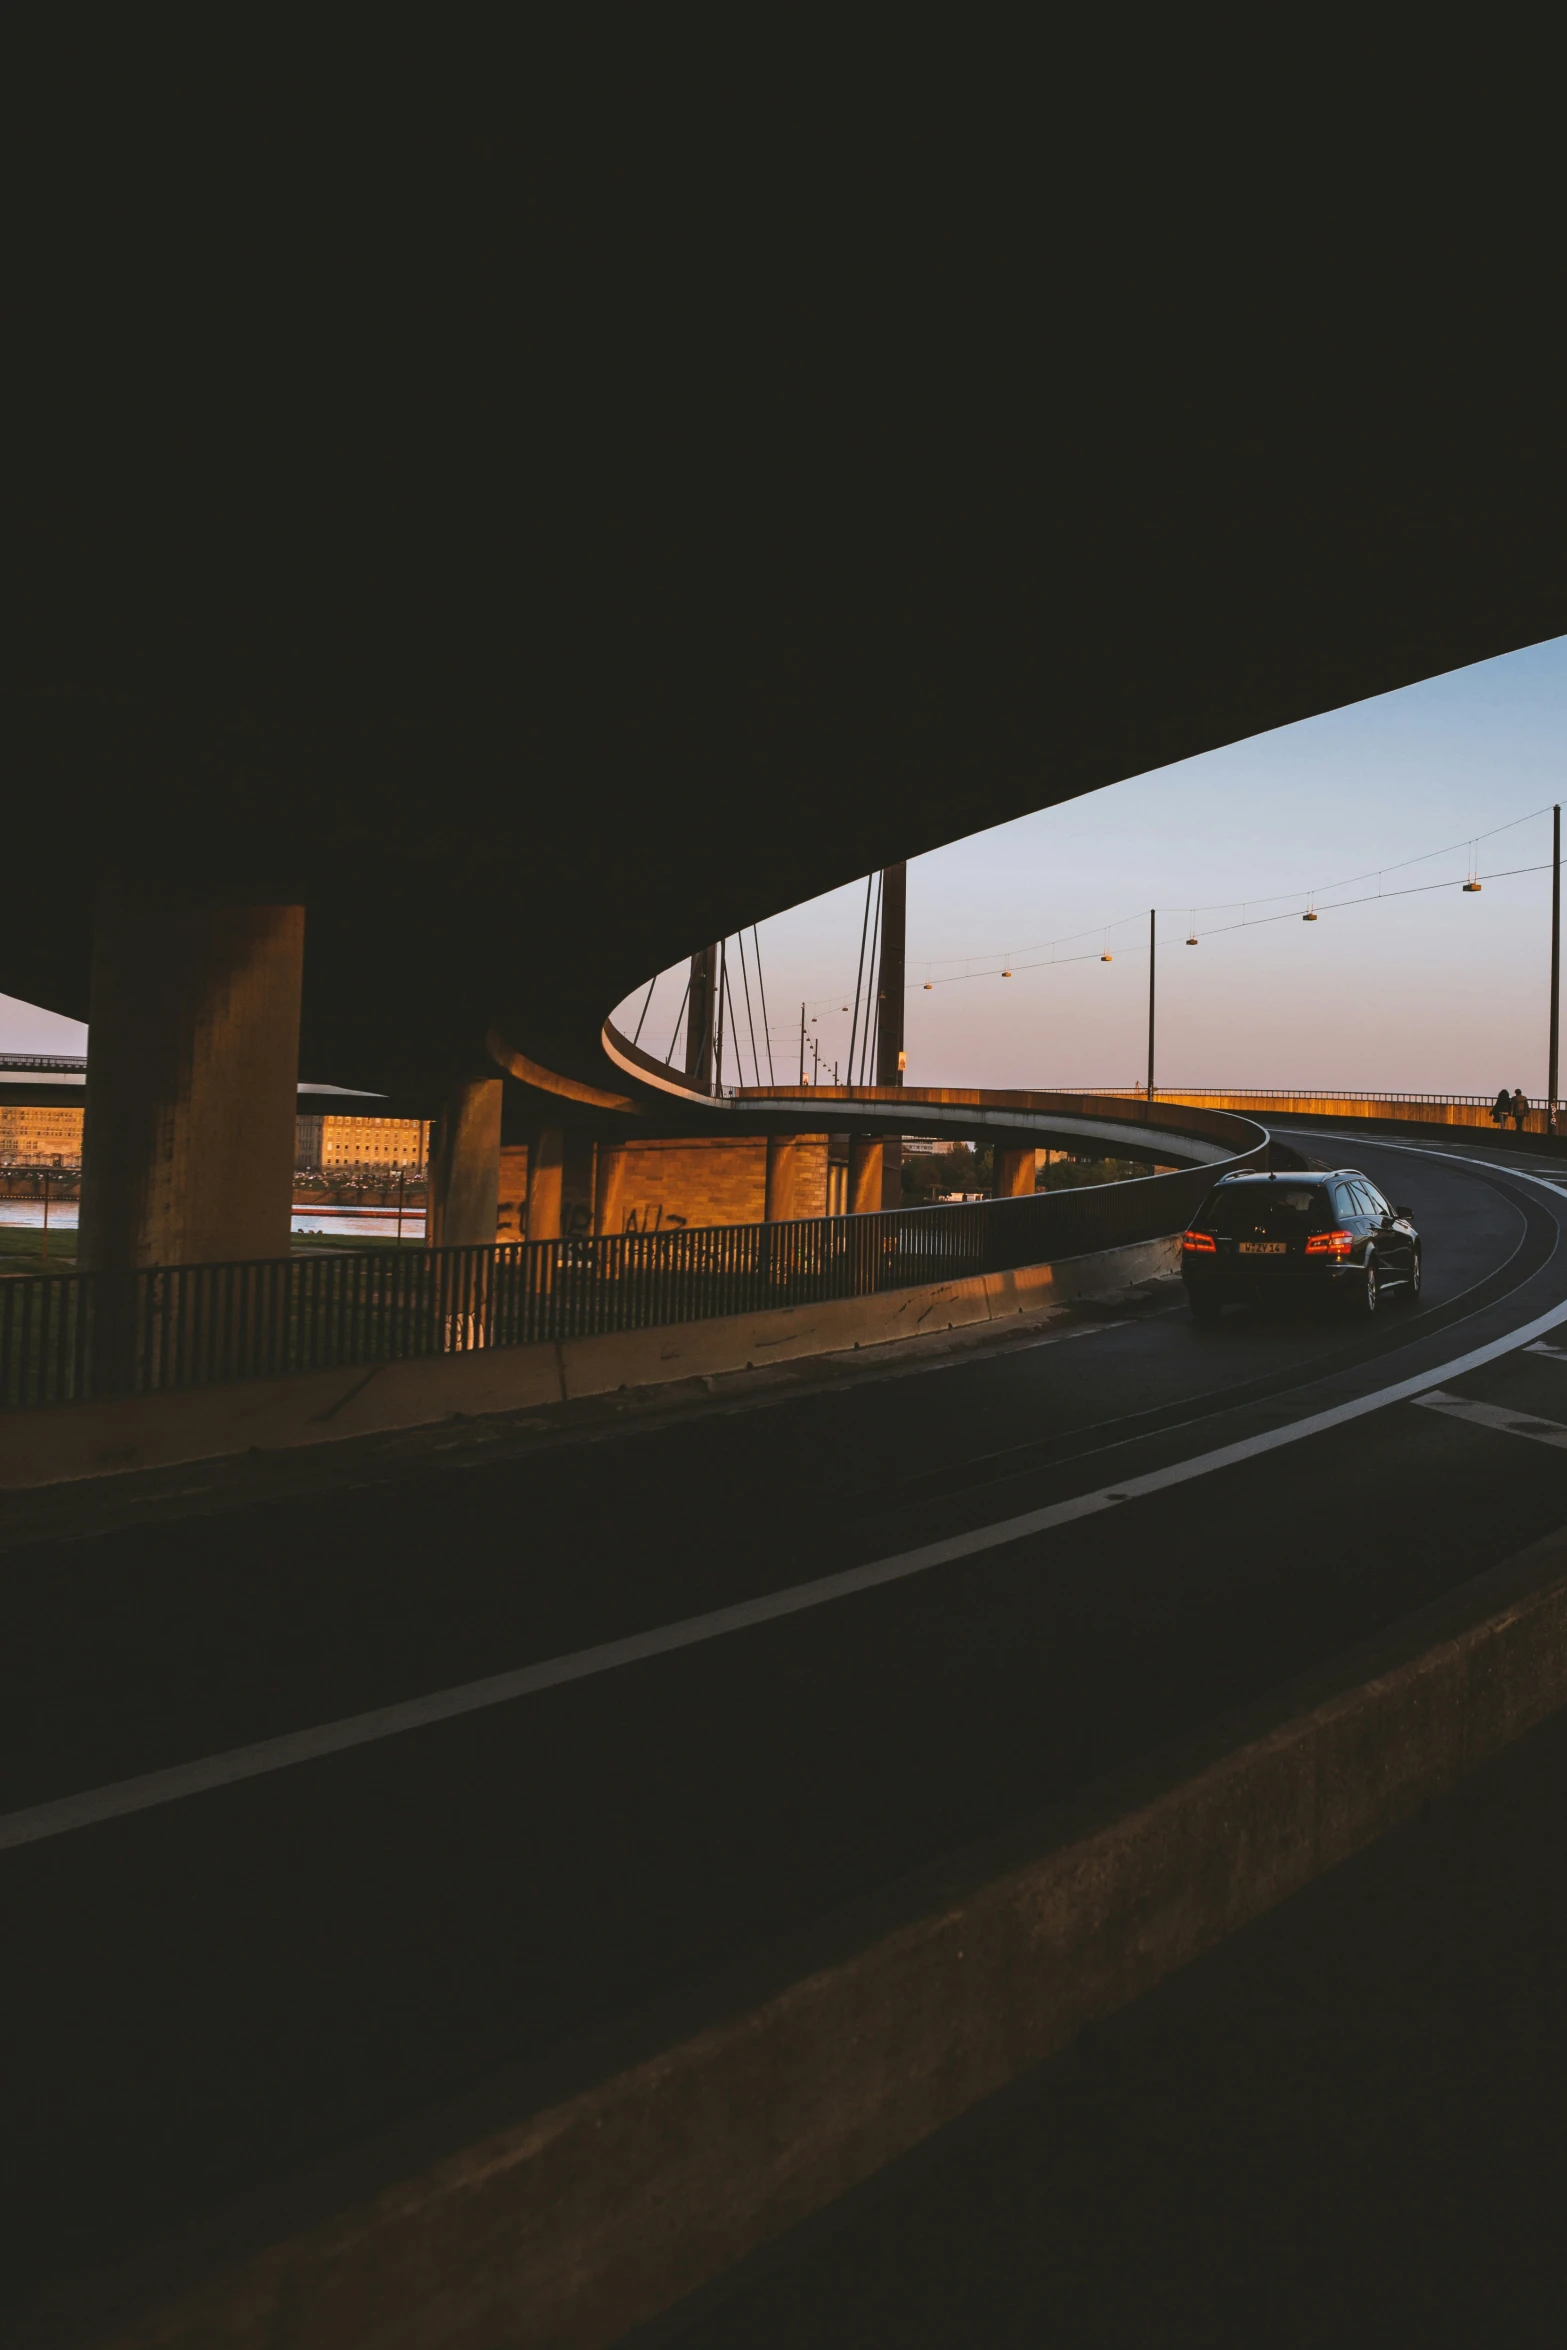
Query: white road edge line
pixel 94 1805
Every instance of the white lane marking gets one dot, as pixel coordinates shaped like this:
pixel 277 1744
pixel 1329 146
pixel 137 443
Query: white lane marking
pixel 124 1796
pixel 1557 1354
pixel 1415 1150
pixel 1495 1415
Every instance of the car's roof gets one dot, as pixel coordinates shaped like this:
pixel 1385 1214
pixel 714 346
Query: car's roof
pixel 1296 1175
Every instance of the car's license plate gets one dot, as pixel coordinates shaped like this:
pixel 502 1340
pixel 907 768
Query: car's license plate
pixel 1262 1248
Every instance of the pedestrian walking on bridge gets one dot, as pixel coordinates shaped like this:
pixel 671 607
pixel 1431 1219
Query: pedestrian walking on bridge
pixel 1520 1110
pixel 1502 1108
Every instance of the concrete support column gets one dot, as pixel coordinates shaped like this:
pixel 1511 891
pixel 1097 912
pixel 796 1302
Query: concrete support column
pixel 609 1183
pixel 576 1185
pixel 511 1214
pixel 192 1071
pixel 465 1167
pixel 546 1164
pixel 865 1175
pixel 783 1171
pixel 1014 1174
pixel 892 1170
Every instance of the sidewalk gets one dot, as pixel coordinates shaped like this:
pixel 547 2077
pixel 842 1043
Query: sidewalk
pixel 1346 2125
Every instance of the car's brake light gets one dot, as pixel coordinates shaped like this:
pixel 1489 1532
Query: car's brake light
pixel 1329 1244
pixel 1192 1242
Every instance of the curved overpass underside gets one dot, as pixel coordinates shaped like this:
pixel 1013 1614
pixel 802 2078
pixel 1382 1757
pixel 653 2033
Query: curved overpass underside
pixel 534 603
pixel 534 565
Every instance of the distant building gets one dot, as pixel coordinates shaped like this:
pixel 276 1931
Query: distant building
pixel 52 1137
pixel 40 1138
pixel 373 1142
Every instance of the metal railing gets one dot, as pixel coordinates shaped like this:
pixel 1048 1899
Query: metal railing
pixel 1430 1109
pixel 73 1337
pixel 1296 1093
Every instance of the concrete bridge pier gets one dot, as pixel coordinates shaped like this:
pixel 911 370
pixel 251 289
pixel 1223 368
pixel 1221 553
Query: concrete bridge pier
pixel 465 1166
pixel 1014 1173
pixel 609 1183
pixel 865 1175
pixel 783 1175
pixel 546 1182
pixel 192 1065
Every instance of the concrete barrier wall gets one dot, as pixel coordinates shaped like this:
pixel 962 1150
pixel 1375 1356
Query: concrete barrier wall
pixel 586 2212
pixel 126 1433
pixel 1366 1106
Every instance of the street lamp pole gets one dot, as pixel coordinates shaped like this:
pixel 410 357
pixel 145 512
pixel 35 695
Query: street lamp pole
pixel 1556 961
pixel 1152 962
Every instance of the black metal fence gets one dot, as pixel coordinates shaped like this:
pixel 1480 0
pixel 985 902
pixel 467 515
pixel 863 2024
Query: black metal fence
pixel 71 1337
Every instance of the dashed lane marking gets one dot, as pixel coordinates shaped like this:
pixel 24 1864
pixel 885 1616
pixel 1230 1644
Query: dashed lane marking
pixel 1496 1415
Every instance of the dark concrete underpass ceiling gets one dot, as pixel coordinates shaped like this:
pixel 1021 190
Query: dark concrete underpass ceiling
pixel 540 586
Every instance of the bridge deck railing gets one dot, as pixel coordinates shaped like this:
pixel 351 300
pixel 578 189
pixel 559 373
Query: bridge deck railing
pixel 73 1337
pixel 1434 1109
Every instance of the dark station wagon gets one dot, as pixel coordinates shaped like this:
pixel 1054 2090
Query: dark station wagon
pixel 1334 1233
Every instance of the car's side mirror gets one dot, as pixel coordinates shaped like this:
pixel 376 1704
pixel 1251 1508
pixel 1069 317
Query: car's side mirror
pixel 1403 1211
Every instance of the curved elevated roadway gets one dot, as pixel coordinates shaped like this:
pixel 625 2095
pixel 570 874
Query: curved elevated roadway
pixel 269 1884
pixel 535 588
pixel 1171 1133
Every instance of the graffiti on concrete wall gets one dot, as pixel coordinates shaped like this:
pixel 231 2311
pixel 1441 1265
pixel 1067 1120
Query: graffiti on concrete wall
pixel 653 1216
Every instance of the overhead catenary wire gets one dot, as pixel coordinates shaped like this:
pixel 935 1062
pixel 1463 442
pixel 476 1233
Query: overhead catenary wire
pixel 1250 922
pixel 1316 894
pixel 1317 902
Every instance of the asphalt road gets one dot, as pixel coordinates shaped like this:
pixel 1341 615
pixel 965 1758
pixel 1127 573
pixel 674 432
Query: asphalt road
pixel 1341 2127
pixel 197 1995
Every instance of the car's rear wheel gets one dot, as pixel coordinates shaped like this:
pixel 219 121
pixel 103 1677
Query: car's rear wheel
pixel 1366 1295
pixel 1206 1308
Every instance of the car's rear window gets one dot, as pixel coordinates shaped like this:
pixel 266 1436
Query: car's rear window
pixel 1238 1210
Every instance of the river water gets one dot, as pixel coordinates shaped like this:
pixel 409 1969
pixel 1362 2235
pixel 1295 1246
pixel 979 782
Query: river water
pixel 349 1223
